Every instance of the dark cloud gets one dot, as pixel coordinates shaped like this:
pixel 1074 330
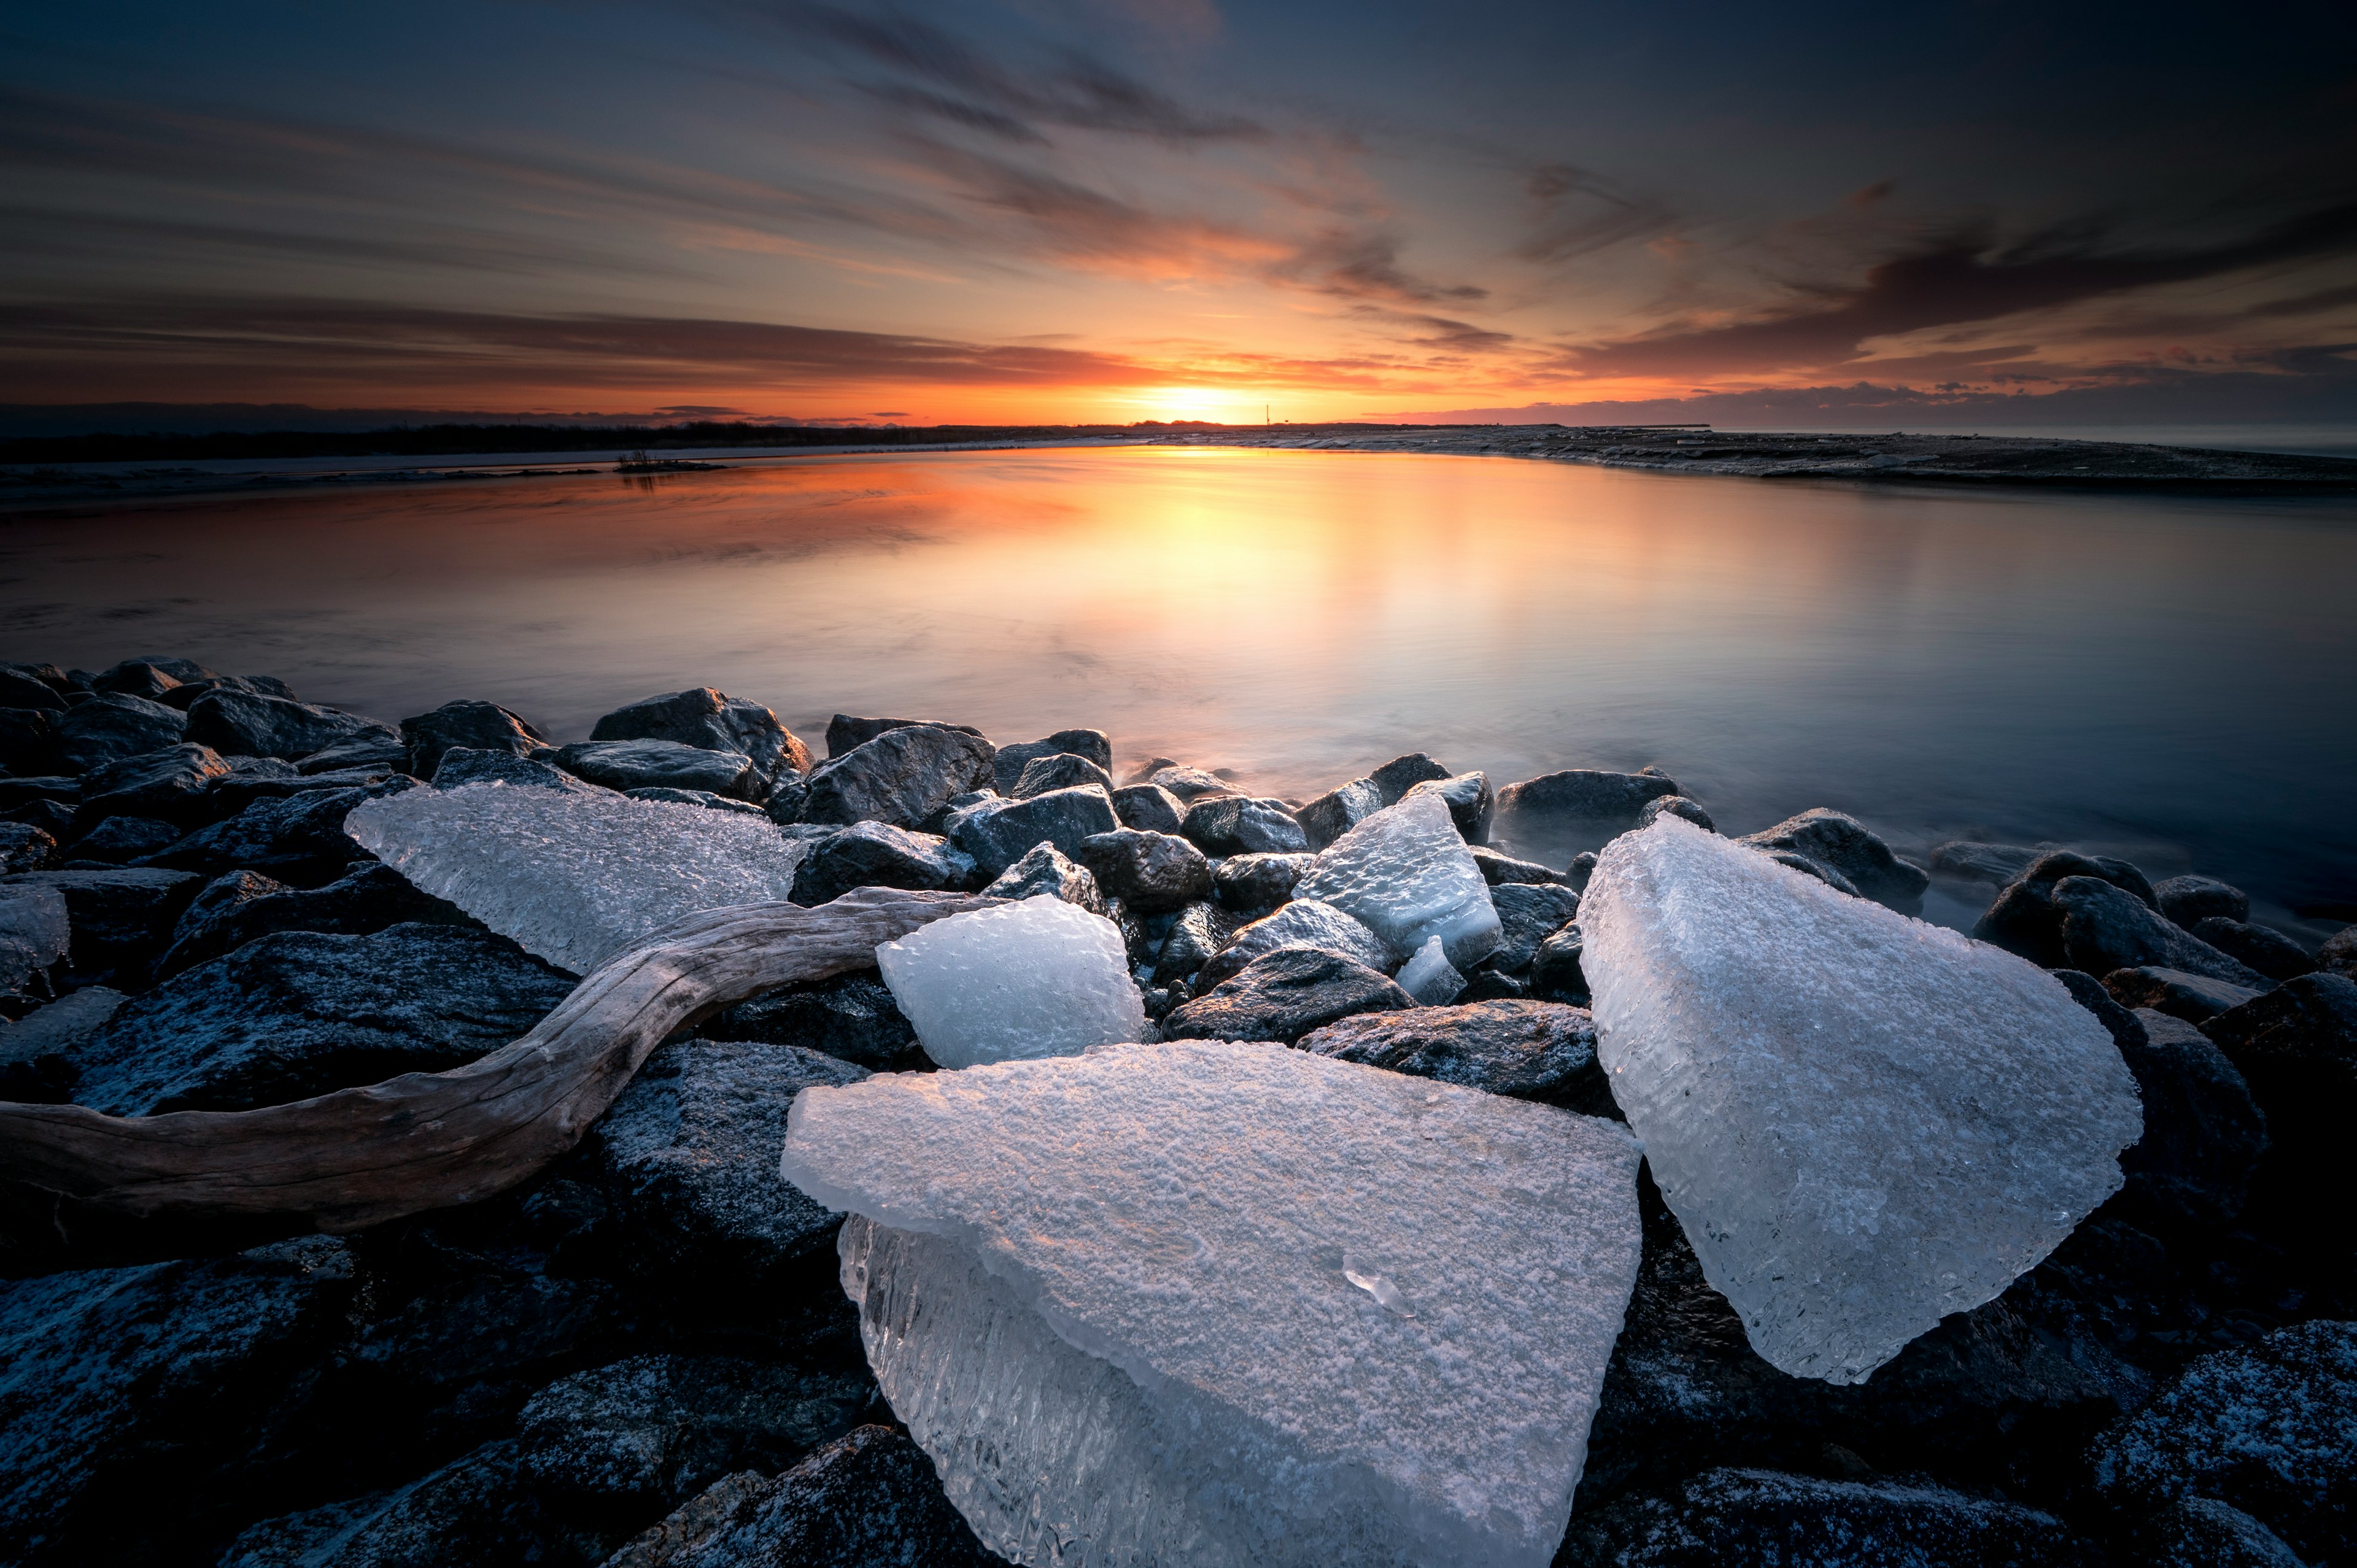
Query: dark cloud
pixel 1358 264
pixel 1579 212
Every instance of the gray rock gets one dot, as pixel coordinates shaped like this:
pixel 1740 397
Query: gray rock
pixel 2187 899
pixel 2263 947
pixel 1471 802
pixel 1528 913
pixel 2269 1428
pixel 998 833
pixel 1061 771
pixel 58 1027
pixel 1200 930
pixel 244 786
pixel 300 839
pixel 877 855
pixel 1675 806
pixel 2104 929
pixel 1816 868
pixel 1252 884
pixel 52 817
pixel 2023 918
pixel 111 728
pixel 1047 870
pixel 28 741
pixel 1239 824
pixel 1556 974
pixel 871 1497
pixel 1845 845
pixel 23 847
pixel 1338 811
pixel 1089 743
pixel 1191 784
pixel 642 764
pixel 690 1156
pixel 1303 922
pixel 2203 1532
pixel 479 725
pixel 172 783
pixel 2195 998
pixel 2339 953
pixel 1149 808
pixel 235 909
pixel 1969 860
pixel 1394 778
pixel 248 725
pixel 1149 873
pixel 1529 1051
pixel 120 840
pixel 711 720
pixel 297 1014
pixel 846 733
pixel 851 1017
pixel 464 764
pixel 1580 799
pixel 370 752
pixel 187 694
pixel 904 776
pixel 1284 995
pixel 1728 1517
pixel 2203 1135
pixel 2089 992
pixel 476 1509
pixel 1501 870
pixel 19 690
pixel 121 918
pixel 2296 1047
pixel 147 678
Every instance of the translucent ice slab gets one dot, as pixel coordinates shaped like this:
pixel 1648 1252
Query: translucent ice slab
pixel 1041 978
pixel 1407 874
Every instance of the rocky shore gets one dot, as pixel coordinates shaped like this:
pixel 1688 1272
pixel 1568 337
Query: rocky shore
pixel 217 896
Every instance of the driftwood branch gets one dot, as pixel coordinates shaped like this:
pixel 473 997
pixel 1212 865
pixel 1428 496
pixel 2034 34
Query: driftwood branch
pixel 361 1156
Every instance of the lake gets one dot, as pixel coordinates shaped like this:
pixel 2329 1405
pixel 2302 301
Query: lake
pixel 2174 680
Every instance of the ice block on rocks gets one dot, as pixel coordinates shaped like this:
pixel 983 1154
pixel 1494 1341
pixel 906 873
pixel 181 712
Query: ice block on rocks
pixel 1407 874
pixel 1864 1122
pixel 575 878
pixel 1428 978
pixel 1041 978
pixel 1208 1302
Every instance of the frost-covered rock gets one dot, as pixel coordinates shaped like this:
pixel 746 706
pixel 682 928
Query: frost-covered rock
pixel 1407 874
pixel 1223 1303
pixel 575 878
pixel 1430 977
pixel 1041 978
pixel 1864 1122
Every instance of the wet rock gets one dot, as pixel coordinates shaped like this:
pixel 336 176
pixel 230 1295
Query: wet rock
pixel 1148 872
pixel 297 1014
pixel 111 728
pixel 1471 803
pixel 121 918
pixel 1046 869
pixel 1303 922
pixel 877 855
pixel 1200 930
pixel 1338 811
pixel 1059 771
pixel 464 764
pixel 1394 778
pixel 1730 1517
pixel 2195 998
pixel 2202 1133
pixel 690 1156
pixel 710 720
pixel 2026 921
pixel 869 1497
pixel 2187 899
pixel 2262 948
pixel 300 839
pixel 244 906
pixel 172 783
pixel 370 752
pixel 1499 870
pixel 23 847
pixel 244 724
pixel 1528 913
pixel 903 777
pixel 642 764
pixel 1530 1050
pixel 1239 824
pixel 2269 1428
pixel 1090 745
pixel 479 725
pixel 1191 784
pixel 1968 860
pixel 29 740
pixel 1254 883
pixel 19 690
pixel 1285 995
pixel 120 840
pixel 998 833
pixel 1845 845
pixel 1556 974
pixel 851 1017
pixel 1675 806
pixel 1149 808
pixel 846 733
pixel 2104 929
pixel 1580 799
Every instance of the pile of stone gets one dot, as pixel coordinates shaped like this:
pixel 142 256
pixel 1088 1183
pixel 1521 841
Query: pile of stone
pixel 1280 1157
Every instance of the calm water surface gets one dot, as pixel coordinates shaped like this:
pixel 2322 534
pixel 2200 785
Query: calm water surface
pixel 2171 679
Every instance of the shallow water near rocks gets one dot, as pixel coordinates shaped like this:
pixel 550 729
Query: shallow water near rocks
pixel 2172 678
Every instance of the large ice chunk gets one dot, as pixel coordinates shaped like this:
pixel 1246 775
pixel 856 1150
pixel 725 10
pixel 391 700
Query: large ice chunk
pixel 1863 1122
pixel 1407 874
pixel 575 878
pixel 1216 1303
pixel 1041 978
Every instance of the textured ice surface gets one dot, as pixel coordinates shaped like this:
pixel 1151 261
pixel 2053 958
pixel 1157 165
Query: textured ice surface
pixel 34 932
pixel 575 878
pixel 1407 874
pixel 1863 1122
pixel 1216 1303
pixel 1428 976
pixel 1041 978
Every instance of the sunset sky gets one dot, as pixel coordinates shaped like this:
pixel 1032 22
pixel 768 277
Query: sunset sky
pixel 1056 210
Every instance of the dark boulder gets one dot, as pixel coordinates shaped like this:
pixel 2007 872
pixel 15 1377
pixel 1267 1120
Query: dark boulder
pixel 2201 1532
pixel 1149 873
pixel 1816 868
pixel 642 764
pixel 1845 846
pixel 904 776
pixel 1394 778
pixel 2026 921
pixel 2187 899
pixel 172 782
pixel 1254 883
pixel 1302 922
pixel 298 839
pixel 710 720
pixel 1676 806
pixel 1198 931
pixel 1061 771
pixel 1240 825
pixel 464 764
pixel 1556 974
pixel 1528 913
pixel 2104 929
pixel 851 1017
pixel 121 918
pixel 2202 1133
pixel 877 855
pixel 1339 810
pixel 2296 1047
pixel 1580 799
pixel 243 906
pixel 186 695
pixel 475 1508
pixel 108 728
pixel 2339 953
pixel 2263 947
pixel 1285 995
pixel 242 724
pixel 1968 860
pixel 1529 1051
pixel 1092 745
pixel 19 690
pixel 1499 870
pixel 846 733
pixel 23 847
pixel 16 792
pixel 118 841
pixel 297 1014
pixel 483 726
pixel 1149 808
pixel 2195 998
pixel 244 786
pixel 30 741
pixel 1046 870
pixel 998 832
pixel 1191 784
pixel 52 816
pixel 369 751
pixel 2089 992
pixel 1470 800
pixel 147 678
